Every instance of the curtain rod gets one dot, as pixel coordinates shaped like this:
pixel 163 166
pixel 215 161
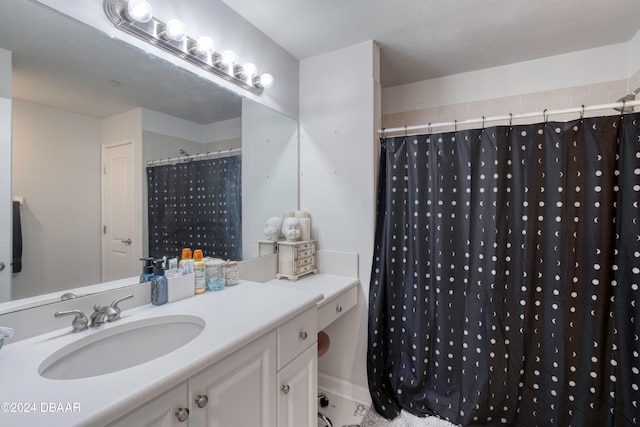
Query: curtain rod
pixel 201 156
pixel 546 113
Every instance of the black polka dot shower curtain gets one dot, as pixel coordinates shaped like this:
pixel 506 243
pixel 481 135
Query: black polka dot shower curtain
pixel 198 205
pixel 506 273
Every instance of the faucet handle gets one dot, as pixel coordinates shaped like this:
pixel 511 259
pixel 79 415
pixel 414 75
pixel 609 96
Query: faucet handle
pixel 80 321
pixel 116 316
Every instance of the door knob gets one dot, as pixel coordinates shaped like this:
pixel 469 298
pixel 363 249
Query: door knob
pixel 126 242
pixel 2 266
pixel 285 389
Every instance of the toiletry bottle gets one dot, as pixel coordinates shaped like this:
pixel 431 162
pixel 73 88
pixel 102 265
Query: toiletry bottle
pixel 186 254
pixel 231 276
pixel 199 267
pixel 147 270
pixel 158 284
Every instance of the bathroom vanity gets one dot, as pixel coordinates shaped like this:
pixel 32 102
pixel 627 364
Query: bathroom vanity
pixel 252 362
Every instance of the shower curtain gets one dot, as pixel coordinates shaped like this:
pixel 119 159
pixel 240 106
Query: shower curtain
pixel 197 205
pixel 506 272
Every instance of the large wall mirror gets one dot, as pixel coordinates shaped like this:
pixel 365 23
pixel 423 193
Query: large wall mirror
pixel 78 93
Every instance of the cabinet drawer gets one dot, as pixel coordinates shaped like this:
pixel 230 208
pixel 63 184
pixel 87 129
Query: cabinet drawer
pixel 304 261
pixel 306 245
pixel 296 335
pixel 305 253
pixel 335 308
pixel 303 269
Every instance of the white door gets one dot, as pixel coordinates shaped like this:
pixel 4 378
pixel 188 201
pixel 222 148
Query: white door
pixel 6 221
pixel 118 259
pixel 298 391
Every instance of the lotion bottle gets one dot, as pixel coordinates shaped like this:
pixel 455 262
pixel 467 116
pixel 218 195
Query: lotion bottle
pixel 158 284
pixel 199 267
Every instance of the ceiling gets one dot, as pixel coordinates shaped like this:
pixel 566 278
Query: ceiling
pixel 419 40
pixel 424 39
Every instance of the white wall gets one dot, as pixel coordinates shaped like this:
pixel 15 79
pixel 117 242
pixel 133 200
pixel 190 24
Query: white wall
pixel 634 54
pixel 585 67
pixel 229 31
pixel 60 220
pixel 337 182
pixel 5 175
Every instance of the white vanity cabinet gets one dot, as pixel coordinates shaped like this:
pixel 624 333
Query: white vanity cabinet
pixel 270 382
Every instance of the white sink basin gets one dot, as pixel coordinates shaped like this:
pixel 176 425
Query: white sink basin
pixel 121 347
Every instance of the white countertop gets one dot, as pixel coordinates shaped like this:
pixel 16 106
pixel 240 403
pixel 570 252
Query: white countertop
pixel 234 317
pixel 328 285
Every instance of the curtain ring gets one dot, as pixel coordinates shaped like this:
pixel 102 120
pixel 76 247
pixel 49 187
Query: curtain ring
pixel 510 119
pixel 582 113
pixel 545 116
pixel 624 102
pixel 429 130
pixel 455 125
pixel 384 133
pixel 482 122
pixel 405 130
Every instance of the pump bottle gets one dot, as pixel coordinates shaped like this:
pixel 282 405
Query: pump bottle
pixel 158 284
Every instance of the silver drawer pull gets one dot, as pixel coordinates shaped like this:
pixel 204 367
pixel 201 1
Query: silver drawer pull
pixel 338 309
pixel 202 400
pixel 303 335
pixel 182 414
pixel 285 389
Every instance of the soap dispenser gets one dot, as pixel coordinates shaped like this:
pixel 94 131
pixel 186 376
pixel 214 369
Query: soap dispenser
pixel 147 270
pixel 158 284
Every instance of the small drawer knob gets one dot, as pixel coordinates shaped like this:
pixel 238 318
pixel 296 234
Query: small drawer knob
pixel 338 309
pixel 303 335
pixel 182 414
pixel 202 400
pixel 285 389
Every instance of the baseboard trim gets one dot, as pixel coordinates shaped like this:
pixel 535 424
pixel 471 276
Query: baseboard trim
pixel 346 389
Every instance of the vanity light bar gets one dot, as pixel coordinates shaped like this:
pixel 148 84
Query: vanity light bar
pixel 169 39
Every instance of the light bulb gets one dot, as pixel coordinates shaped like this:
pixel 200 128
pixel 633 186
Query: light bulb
pixel 175 30
pixel 139 10
pixel 265 80
pixel 249 70
pixel 205 46
pixel 228 58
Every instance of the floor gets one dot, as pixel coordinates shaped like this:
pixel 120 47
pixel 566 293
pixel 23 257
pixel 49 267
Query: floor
pixel 342 412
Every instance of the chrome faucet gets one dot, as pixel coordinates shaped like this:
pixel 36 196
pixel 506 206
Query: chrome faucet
pixel 80 321
pixel 100 315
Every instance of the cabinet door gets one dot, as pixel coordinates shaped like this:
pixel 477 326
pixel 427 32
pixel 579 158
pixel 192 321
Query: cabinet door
pixel 160 412
pixel 298 389
pixel 238 390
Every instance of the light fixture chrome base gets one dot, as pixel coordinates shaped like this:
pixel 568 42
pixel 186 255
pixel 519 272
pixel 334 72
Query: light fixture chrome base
pixel 151 32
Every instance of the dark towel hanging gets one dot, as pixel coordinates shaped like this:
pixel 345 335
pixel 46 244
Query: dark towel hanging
pixel 17 239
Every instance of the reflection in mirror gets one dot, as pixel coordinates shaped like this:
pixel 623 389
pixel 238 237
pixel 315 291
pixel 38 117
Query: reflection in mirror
pixel 75 101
